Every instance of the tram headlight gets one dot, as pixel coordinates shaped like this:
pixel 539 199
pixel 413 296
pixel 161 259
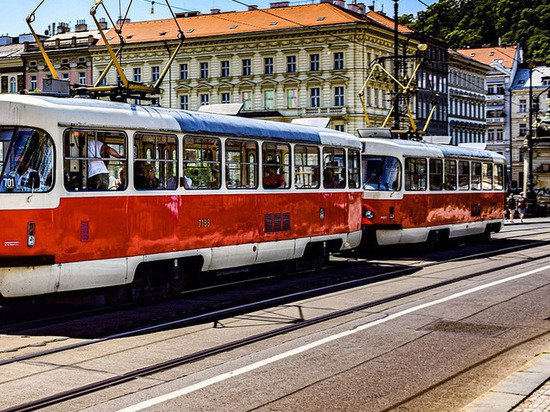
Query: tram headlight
pixel 369 214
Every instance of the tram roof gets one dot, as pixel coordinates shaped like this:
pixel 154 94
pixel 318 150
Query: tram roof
pixel 82 113
pixel 416 148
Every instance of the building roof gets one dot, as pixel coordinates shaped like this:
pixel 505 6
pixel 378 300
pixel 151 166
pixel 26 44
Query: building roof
pixel 504 56
pixel 245 22
pixel 539 75
pixel 11 51
pixel 388 22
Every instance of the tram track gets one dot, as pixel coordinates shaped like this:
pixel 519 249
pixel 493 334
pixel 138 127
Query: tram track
pixel 222 314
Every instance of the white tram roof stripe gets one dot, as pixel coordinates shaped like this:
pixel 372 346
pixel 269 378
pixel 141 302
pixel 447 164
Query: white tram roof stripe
pixel 397 147
pixel 80 112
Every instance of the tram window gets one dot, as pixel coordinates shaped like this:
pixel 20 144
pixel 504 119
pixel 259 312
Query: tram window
pixel 94 160
pixel 415 173
pixel 354 161
pixel 306 167
pixel 26 161
pixel 241 164
pixel 463 175
pixel 450 174
pixel 476 176
pixel 436 174
pixel 201 163
pixel 381 173
pixel 155 161
pixel 487 176
pixel 334 168
pixel 276 165
pixel 499 177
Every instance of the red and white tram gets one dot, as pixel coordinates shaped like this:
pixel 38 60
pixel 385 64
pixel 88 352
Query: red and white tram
pixel 422 192
pixel 184 193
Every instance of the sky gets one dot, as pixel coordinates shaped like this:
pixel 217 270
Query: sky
pixel 13 18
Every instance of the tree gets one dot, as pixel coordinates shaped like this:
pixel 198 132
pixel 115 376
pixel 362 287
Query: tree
pixel 475 23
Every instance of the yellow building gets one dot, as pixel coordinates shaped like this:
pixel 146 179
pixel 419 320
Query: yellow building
pixel 281 63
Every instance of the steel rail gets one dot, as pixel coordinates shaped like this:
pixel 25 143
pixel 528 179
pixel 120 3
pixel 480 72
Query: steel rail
pixel 303 323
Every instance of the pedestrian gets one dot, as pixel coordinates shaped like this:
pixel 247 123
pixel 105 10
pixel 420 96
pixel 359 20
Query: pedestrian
pixel 512 207
pixel 522 206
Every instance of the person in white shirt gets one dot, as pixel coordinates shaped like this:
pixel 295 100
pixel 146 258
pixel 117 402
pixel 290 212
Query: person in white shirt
pixel 98 174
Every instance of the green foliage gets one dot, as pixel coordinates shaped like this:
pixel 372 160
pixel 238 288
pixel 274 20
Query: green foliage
pixel 474 23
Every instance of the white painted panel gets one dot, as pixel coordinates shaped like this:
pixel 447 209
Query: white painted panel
pixel 24 281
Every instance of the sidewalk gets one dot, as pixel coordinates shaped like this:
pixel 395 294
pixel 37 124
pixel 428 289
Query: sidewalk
pixel 527 390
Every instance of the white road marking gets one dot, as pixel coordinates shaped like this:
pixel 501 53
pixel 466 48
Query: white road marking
pixel 220 378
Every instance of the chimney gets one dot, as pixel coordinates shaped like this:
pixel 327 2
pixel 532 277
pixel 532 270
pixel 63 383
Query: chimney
pixel 102 24
pixel 357 8
pixel 187 14
pixel 339 3
pixel 81 26
pixel 279 4
pixel 122 21
pixel 214 11
pixel 62 28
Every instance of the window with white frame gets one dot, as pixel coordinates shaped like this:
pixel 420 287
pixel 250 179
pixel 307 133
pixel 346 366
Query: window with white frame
pixel 184 71
pixel 82 77
pixel 184 102
pixel 247 67
pixel 314 62
pixel 205 99
pixel 203 70
pixel 338 60
pixel 291 64
pixel 155 73
pixel 224 68
pixel 137 74
pixel 339 96
pixel 247 100
pixel 269 99
pixel 226 98
pixel 292 98
pixel 268 65
pixel 315 97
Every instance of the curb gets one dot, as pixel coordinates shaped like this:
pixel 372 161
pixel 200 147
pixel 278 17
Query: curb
pixel 519 386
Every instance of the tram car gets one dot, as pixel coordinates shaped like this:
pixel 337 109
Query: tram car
pixel 113 196
pixel 417 192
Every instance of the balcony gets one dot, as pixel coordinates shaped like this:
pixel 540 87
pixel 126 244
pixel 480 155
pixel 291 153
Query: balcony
pixel 319 111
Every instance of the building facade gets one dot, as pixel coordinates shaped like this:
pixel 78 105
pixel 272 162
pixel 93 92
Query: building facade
pixel 505 63
pixel 69 52
pixel 467 122
pixel 282 63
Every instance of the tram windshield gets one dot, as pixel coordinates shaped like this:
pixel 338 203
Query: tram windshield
pixel 381 173
pixel 26 160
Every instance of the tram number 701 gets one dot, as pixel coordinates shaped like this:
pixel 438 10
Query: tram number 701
pixel 203 223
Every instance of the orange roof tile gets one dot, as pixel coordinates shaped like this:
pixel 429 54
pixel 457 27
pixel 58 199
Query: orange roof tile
pixel 313 15
pixel 488 55
pixel 387 22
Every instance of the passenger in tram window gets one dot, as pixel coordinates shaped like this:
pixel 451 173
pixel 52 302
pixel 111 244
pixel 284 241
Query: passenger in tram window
pixel 145 176
pixel 98 175
pixel 273 179
pixel 328 179
pixel 187 181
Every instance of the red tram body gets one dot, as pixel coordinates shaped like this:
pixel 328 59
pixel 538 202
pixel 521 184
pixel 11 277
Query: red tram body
pixel 58 235
pixel 418 192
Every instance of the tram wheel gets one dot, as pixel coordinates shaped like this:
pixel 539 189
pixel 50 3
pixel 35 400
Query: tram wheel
pixel 116 295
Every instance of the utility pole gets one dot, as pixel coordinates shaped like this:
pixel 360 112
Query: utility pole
pixel 530 195
pixel 397 94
